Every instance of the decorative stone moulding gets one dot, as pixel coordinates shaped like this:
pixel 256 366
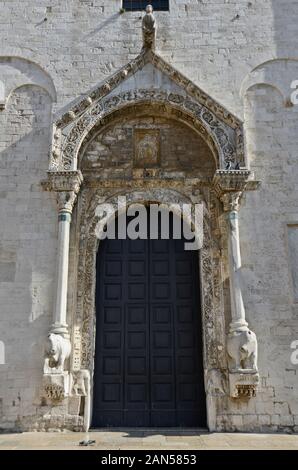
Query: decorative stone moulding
pixel 243 384
pixel 63 181
pixel 56 387
pixel 226 181
pixel 212 119
pixel 223 132
pixel 218 134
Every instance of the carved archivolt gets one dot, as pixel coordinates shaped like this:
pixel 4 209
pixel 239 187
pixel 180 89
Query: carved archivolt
pixel 212 308
pixel 222 130
pixel 225 142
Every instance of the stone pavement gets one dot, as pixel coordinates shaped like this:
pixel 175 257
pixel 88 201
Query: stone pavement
pixel 161 439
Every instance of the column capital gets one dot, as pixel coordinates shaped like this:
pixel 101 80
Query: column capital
pixel 231 201
pixel 230 185
pixel 66 201
pixel 67 185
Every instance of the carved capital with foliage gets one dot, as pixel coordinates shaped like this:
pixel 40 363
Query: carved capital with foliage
pixel 230 185
pixel 231 201
pixel 67 186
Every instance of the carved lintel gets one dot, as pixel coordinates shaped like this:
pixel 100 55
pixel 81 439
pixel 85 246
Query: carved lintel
pixel 243 385
pixel 67 185
pixel 149 29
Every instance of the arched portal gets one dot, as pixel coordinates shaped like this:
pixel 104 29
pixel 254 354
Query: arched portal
pixel 163 140
pixel 148 367
pixel 183 163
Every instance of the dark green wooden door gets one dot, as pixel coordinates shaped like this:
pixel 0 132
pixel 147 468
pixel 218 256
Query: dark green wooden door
pixel 148 363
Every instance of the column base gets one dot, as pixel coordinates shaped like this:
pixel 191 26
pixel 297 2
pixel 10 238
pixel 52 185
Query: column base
pixel 240 325
pixel 60 329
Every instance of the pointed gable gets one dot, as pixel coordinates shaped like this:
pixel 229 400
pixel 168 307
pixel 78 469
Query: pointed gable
pixel 147 78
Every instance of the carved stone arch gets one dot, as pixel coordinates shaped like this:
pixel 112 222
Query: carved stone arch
pixel 178 98
pixel 178 94
pixel 146 108
pixel 221 140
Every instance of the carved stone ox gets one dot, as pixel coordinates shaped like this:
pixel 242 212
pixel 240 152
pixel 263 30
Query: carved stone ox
pixel 57 351
pixel 242 351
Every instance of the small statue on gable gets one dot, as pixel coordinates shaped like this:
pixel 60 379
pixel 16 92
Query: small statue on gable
pixel 149 28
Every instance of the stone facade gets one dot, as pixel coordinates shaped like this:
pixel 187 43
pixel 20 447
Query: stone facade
pixel 91 107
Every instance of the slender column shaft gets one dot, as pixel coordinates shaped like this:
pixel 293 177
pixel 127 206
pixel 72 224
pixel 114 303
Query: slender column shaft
pixel 237 306
pixel 60 325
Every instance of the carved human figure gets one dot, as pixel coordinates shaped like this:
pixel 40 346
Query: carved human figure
pixel 57 351
pixel 81 383
pixel 242 350
pixel 148 149
pixel 215 383
pixel 149 28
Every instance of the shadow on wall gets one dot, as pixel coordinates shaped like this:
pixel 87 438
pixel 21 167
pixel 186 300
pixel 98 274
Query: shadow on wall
pixel 271 142
pixel 271 139
pixel 28 244
pixel 280 69
pixel 29 212
pixel 99 28
pixel 147 432
pixel 16 72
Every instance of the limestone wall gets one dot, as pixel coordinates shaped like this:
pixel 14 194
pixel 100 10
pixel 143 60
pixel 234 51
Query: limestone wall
pixel 243 54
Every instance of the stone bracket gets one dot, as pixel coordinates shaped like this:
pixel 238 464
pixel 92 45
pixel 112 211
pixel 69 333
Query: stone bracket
pixel 67 186
pixel 56 387
pixel 234 181
pixel 68 180
pixel 243 384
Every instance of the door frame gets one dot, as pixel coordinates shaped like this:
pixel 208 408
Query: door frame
pixel 83 268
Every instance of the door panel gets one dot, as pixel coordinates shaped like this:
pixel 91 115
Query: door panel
pixel 148 363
